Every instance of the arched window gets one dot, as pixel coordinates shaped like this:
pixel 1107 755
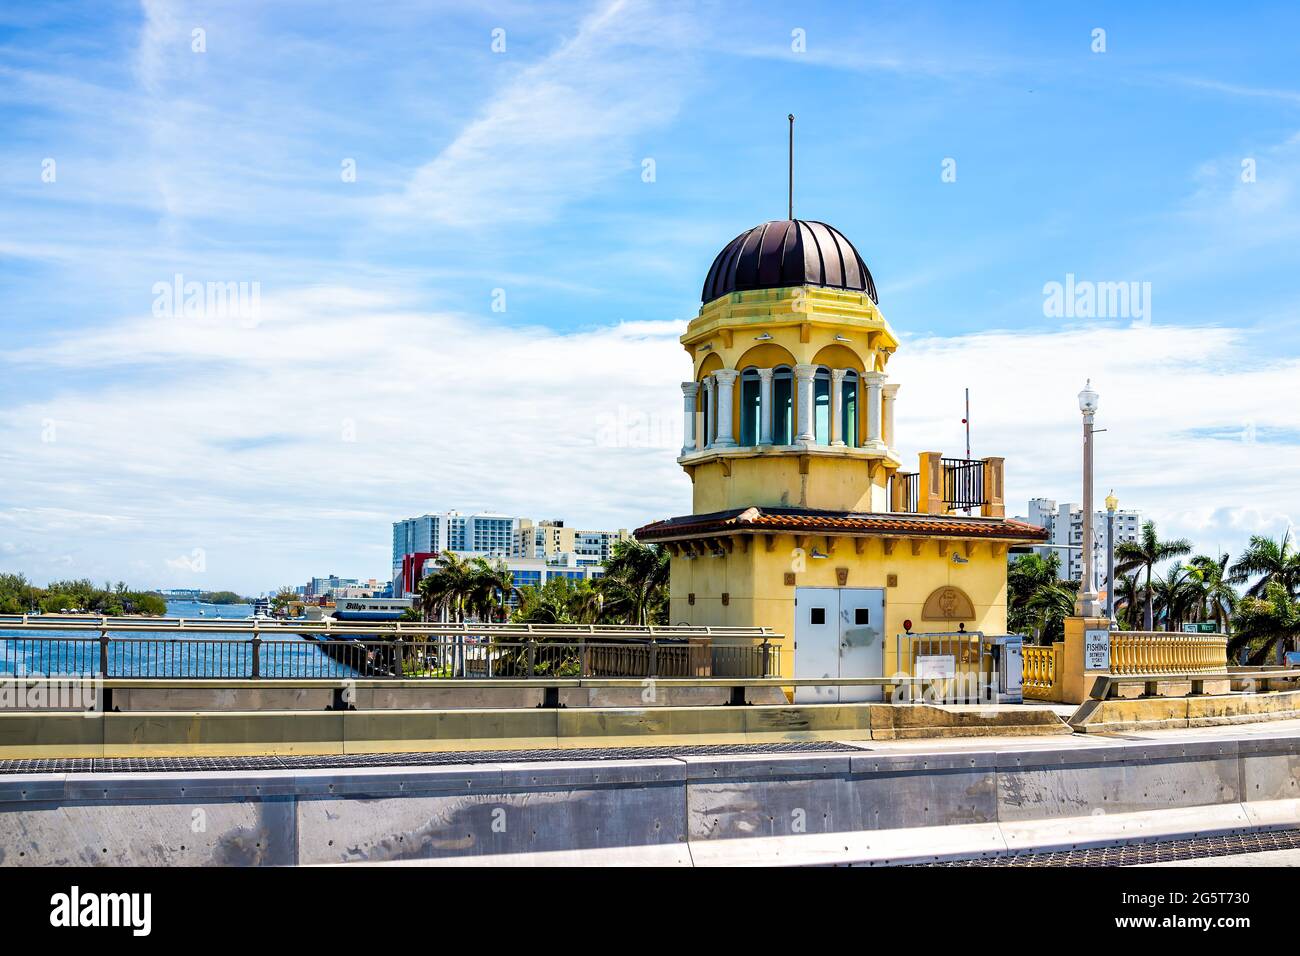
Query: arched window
pixel 849 399
pixel 750 408
pixel 782 406
pixel 822 407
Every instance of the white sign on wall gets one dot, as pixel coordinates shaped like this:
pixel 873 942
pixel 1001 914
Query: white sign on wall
pixel 936 667
pixel 1096 649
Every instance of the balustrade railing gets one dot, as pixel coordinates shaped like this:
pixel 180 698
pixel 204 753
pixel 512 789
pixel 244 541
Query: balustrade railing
pixel 1042 675
pixel 1163 652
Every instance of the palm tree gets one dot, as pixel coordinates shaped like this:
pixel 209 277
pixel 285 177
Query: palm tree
pixel 560 601
pixel 1266 622
pixel 547 604
pixel 1210 581
pixel 1128 595
pixel 492 587
pixel 1144 554
pixel 635 585
pixel 448 587
pixel 1272 561
pixel 1175 595
pixel 1029 575
pixel 1050 605
pixel 586 604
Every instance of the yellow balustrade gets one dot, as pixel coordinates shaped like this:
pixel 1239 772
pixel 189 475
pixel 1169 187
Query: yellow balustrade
pixel 1162 652
pixel 1042 670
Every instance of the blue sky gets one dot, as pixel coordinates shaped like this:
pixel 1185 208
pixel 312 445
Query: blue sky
pixel 377 380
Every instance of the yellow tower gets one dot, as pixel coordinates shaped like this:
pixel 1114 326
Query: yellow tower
pixel 801 506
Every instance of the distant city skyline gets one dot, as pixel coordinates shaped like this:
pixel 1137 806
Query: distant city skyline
pixel 245 330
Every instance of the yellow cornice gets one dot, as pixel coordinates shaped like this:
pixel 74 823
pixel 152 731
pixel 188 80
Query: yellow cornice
pixel 776 308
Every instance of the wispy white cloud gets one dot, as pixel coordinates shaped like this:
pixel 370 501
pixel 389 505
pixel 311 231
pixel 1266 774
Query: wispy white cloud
pixel 1237 89
pixel 394 411
pixel 560 129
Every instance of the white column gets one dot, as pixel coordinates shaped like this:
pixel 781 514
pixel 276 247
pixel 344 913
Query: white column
pixel 689 391
pixel 726 381
pixel 711 403
pixel 837 405
pixel 875 382
pixel 765 406
pixel 803 378
pixel 889 395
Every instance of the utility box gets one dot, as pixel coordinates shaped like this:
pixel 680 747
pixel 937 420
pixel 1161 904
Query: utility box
pixel 1008 655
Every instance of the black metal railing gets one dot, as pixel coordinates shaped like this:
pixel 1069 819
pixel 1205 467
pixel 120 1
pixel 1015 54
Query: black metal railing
pixel 963 483
pixel 496 652
pixel 912 492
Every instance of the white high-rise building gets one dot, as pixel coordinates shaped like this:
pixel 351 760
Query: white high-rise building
pixel 502 536
pixel 492 534
pixel 1065 522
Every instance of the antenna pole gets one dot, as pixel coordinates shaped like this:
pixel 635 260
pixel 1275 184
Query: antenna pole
pixel 966 420
pixel 791 176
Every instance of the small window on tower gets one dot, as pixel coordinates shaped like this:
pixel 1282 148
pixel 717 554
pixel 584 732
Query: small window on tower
pixel 862 615
pixel 818 616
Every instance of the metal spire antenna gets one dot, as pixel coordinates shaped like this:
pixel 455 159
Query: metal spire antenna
pixel 966 421
pixel 790 210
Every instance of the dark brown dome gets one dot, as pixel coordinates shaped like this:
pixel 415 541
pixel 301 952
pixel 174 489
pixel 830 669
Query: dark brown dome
pixel 788 252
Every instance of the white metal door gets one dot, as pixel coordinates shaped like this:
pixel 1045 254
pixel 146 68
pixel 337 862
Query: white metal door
pixel 816 642
pixel 862 640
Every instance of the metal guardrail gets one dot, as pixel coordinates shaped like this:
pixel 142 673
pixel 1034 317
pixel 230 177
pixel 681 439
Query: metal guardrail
pixel 95 622
pixel 959 663
pixel 184 649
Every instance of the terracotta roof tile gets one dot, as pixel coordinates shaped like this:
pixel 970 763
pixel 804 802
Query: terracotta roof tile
pixel 839 522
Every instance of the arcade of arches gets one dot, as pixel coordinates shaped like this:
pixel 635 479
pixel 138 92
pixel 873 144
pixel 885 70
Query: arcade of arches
pixel 788 404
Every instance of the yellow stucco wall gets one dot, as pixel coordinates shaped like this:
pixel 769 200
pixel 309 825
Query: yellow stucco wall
pixel 828 478
pixel 754 581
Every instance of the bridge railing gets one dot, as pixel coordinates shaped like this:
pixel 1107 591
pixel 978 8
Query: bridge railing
pixel 162 648
pixel 1042 671
pixel 1157 652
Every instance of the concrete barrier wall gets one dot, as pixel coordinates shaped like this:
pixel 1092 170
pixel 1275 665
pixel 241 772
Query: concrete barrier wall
pixel 857 806
pixel 149 695
pixel 25 735
pixel 1171 713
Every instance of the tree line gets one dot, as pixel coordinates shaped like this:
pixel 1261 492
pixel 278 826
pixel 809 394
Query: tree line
pixel 1253 599
pixel 632 591
pixel 20 596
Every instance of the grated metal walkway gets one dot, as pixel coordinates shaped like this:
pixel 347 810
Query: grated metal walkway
pixel 438 759
pixel 1136 854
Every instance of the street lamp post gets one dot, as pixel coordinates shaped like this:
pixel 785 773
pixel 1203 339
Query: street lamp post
pixel 1086 606
pixel 1111 504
